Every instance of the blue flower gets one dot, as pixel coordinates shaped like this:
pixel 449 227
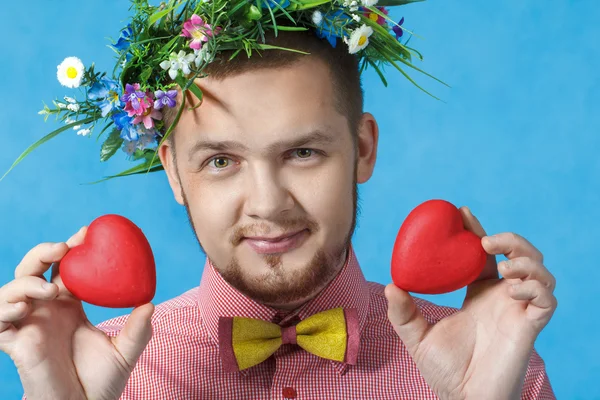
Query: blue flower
pixel 124 39
pixel 124 123
pixel 273 3
pixel 330 26
pixel 106 94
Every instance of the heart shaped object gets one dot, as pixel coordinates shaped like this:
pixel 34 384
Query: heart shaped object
pixel 434 253
pixel 114 267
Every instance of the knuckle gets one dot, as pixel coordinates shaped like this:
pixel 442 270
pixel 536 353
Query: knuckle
pixel 513 237
pixel 552 282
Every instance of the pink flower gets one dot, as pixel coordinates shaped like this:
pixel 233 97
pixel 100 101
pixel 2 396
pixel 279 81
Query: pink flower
pixel 148 118
pixel 199 31
pixel 376 17
pixel 143 105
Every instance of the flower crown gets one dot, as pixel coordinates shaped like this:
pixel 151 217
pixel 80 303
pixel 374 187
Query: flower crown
pixel 165 48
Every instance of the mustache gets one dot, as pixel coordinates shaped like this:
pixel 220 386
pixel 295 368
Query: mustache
pixel 260 229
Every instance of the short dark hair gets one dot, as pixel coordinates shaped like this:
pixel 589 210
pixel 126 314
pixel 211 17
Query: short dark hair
pixel 343 68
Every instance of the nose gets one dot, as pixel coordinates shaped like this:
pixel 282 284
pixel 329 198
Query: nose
pixel 267 195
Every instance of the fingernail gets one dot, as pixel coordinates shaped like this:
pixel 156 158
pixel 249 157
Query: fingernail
pixel 47 286
pixel 515 286
pixel 506 264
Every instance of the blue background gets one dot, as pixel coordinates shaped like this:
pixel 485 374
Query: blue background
pixel 516 140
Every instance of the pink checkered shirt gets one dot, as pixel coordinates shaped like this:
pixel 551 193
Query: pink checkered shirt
pixel 182 360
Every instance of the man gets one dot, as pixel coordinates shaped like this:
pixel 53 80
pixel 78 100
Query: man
pixel 267 168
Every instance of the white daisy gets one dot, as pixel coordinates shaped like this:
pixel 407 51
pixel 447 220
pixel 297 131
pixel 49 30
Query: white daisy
pixel 77 127
pixel 317 17
pixel 70 100
pixel 70 72
pixel 61 105
pixel 359 38
pixel 84 132
pixel 356 17
pixel 369 3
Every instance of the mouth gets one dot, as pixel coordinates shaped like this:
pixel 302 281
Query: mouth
pixel 279 244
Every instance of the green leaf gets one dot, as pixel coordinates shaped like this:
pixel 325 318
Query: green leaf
pixel 190 85
pixel 146 74
pixel 288 28
pixel 158 15
pixel 392 3
pixel 379 72
pixel 48 137
pixel 171 127
pixel 197 92
pixel 138 169
pixel 269 47
pixel 105 129
pixel 111 145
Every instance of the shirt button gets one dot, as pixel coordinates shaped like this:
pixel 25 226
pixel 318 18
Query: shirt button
pixel 289 393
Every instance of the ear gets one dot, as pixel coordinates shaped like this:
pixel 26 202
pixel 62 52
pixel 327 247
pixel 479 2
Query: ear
pixel 368 137
pixel 166 155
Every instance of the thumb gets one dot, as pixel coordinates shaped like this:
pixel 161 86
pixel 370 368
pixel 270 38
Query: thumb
pixel 406 318
pixel 136 334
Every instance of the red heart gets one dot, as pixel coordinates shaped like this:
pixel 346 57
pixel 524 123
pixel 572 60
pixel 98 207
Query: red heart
pixel 433 252
pixel 114 267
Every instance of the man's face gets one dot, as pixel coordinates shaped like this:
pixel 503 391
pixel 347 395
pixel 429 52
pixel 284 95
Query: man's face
pixel 267 170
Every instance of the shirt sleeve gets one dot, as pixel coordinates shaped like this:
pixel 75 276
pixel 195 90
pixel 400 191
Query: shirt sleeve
pixel 537 385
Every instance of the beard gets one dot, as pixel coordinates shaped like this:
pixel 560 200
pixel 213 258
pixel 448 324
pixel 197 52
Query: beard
pixel 278 286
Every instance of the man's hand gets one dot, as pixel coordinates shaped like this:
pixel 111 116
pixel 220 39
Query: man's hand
pixel 58 353
pixel 483 350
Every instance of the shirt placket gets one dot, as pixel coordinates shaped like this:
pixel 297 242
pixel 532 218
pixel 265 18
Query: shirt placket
pixel 288 366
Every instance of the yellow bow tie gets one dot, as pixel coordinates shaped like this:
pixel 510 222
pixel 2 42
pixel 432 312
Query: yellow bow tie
pixel 331 334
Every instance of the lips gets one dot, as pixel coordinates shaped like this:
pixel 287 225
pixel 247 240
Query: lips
pixel 279 244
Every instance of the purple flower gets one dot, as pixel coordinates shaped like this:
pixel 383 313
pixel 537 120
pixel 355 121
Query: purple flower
pixel 165 99
pixel 398 29
pixel 133 95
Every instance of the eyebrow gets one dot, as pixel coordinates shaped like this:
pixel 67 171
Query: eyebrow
pixel 313 137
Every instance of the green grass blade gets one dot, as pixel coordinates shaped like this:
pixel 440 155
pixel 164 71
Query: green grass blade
pixel 43 140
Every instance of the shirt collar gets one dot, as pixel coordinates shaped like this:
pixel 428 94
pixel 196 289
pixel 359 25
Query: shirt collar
pixel 218 298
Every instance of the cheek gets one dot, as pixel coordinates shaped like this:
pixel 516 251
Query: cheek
pixel 213 210
pixel 326 196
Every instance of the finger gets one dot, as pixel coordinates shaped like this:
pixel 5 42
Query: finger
pixel 75 240
pixel 38 260
pixel 27 288
pixel 471 223
pixel 525 268
pixel 542 303
pixel 10 313
pixel 533 291
pixel 136 334
pixel 512 246
pixel 407 320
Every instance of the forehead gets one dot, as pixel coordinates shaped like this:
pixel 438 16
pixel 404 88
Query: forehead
pixel 264 105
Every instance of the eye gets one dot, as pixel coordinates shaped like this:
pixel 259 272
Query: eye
pixel 303 153
pixel 220 162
